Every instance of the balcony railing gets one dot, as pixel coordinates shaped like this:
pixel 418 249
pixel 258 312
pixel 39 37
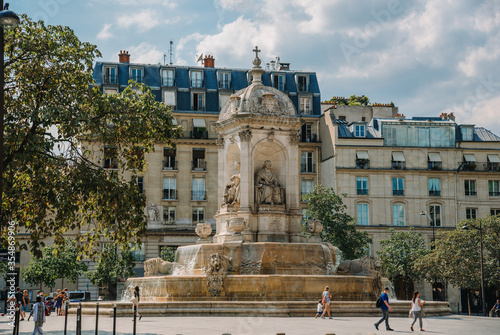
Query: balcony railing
pixel 362 191
pixel 165 81
pixel 479 166
pixel 109 79
pixel 362 164
pixel 303 87
pixel 434 193
pixel 199 165
pixel 398 165
pixel 224 84
pixel 170 164
pixel 494 193
pixel 398 192
pixel 168 220
pixel 136 78
pixel 436 166
pixel 470 193
pixel 169 194
pixel 279 86
pixel 196 83
pixel 308 168
pixel 198 195
pixel 110 163
pixel 312 138
pixel 199 134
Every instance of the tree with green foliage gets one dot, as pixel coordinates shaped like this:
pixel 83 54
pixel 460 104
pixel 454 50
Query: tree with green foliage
pixel 399 254
pixel 52 184
pixel 56 262
pixel 167 253
pixel 353 100
pixel 338 227
pixel 456 257
pixel 111 267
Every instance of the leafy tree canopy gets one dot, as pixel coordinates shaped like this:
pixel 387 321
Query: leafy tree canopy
pixel 353 100
pixel 52 184
pixel 338 227
pixel 399 253
pixel 57 262
pixel 112 266
pixel 456 256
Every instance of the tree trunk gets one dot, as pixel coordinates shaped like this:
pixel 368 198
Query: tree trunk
pixel 468 301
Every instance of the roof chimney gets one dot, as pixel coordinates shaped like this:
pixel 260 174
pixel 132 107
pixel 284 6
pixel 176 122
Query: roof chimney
pixel 124 57
pixel 209 61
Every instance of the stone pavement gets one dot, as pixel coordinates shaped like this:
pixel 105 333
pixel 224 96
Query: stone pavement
pixel 452 324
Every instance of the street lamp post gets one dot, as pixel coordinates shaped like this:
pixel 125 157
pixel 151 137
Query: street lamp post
pixel 8 19
pixel 483 295
pixel 431 221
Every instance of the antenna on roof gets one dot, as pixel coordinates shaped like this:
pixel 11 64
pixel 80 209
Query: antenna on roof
pixel 171 52
pixel 164 58
pixel 200 59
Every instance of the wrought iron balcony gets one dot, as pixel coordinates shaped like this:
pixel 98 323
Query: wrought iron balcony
pixel 198 195
pixel 169 194
pixel 170 164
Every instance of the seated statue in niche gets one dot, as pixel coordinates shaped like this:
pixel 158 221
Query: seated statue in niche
pixel 269 190
pixel 232 190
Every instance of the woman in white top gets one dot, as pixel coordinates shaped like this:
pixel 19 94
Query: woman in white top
pixel 416 309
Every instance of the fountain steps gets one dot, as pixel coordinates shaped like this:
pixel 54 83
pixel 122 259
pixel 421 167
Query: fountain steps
pixel 255 308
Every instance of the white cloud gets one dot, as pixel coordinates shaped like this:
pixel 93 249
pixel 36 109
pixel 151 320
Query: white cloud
pixel 143 21
pixel 166 3
pixel 145 53
pixel 105 34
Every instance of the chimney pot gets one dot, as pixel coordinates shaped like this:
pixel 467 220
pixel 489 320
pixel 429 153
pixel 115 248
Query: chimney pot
pixel 124 57
pixel 209 61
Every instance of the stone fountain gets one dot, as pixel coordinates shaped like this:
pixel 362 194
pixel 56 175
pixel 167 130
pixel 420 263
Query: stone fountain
pixel 259 252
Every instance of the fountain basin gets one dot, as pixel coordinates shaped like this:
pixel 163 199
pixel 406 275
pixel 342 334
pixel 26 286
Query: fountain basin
pixel 255 288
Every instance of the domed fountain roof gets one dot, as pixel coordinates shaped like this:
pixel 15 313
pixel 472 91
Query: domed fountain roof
pixel 257 99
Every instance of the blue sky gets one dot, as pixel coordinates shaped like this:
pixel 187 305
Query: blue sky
pixel 427 56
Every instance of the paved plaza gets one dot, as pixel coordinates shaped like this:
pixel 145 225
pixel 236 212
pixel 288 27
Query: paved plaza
pixel 452 324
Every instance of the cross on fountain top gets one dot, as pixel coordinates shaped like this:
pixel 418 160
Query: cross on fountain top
pixel 256 50
pixel 256 62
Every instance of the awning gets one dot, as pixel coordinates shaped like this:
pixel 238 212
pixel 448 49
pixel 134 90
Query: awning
pixel 434 157
pixel 398 156
pixel 493 159
pixel 469 158
pixel 362 155
pixel 199 123
pixel 174 121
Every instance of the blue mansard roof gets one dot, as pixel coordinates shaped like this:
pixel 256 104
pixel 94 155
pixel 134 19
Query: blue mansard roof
pixel 211 86
pixel 418 131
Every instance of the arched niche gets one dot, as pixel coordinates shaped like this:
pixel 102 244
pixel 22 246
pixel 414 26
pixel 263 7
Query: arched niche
pixel 275 152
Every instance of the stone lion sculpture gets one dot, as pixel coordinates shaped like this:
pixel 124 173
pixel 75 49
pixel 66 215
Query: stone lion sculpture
pixel 218 267
pixel 365 266
pixel 157 266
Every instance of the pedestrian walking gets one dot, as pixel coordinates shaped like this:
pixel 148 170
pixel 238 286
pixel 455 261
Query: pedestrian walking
pixel 38 316
pixel 59 301
pixel 319 309
pixel 416 310
pixel 25 304
pixel 326 297
pixel 386 308
pixel 136 298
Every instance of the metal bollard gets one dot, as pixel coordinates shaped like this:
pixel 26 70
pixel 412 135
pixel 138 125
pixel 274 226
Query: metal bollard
pixel 79 319
pixel 135 319
pixel 96 318
pixel 66 307
pixel 16 322
pixel 114 319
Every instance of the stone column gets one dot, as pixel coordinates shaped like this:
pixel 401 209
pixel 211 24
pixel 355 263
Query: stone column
pixel 246 189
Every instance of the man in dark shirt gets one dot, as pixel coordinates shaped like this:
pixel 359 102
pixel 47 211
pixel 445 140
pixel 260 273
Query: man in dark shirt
pixel 386 308
pixel 496 308
pixel 18 297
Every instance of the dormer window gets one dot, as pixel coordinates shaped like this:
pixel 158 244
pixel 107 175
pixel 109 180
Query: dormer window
pixel 279 81
pixel 303 83
pixel 359 130
pixel 467 133
pixel 305 105
pixel 136 74
pixel 167 77
pixel 110 75
pixel 196 79
pixel 225 80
